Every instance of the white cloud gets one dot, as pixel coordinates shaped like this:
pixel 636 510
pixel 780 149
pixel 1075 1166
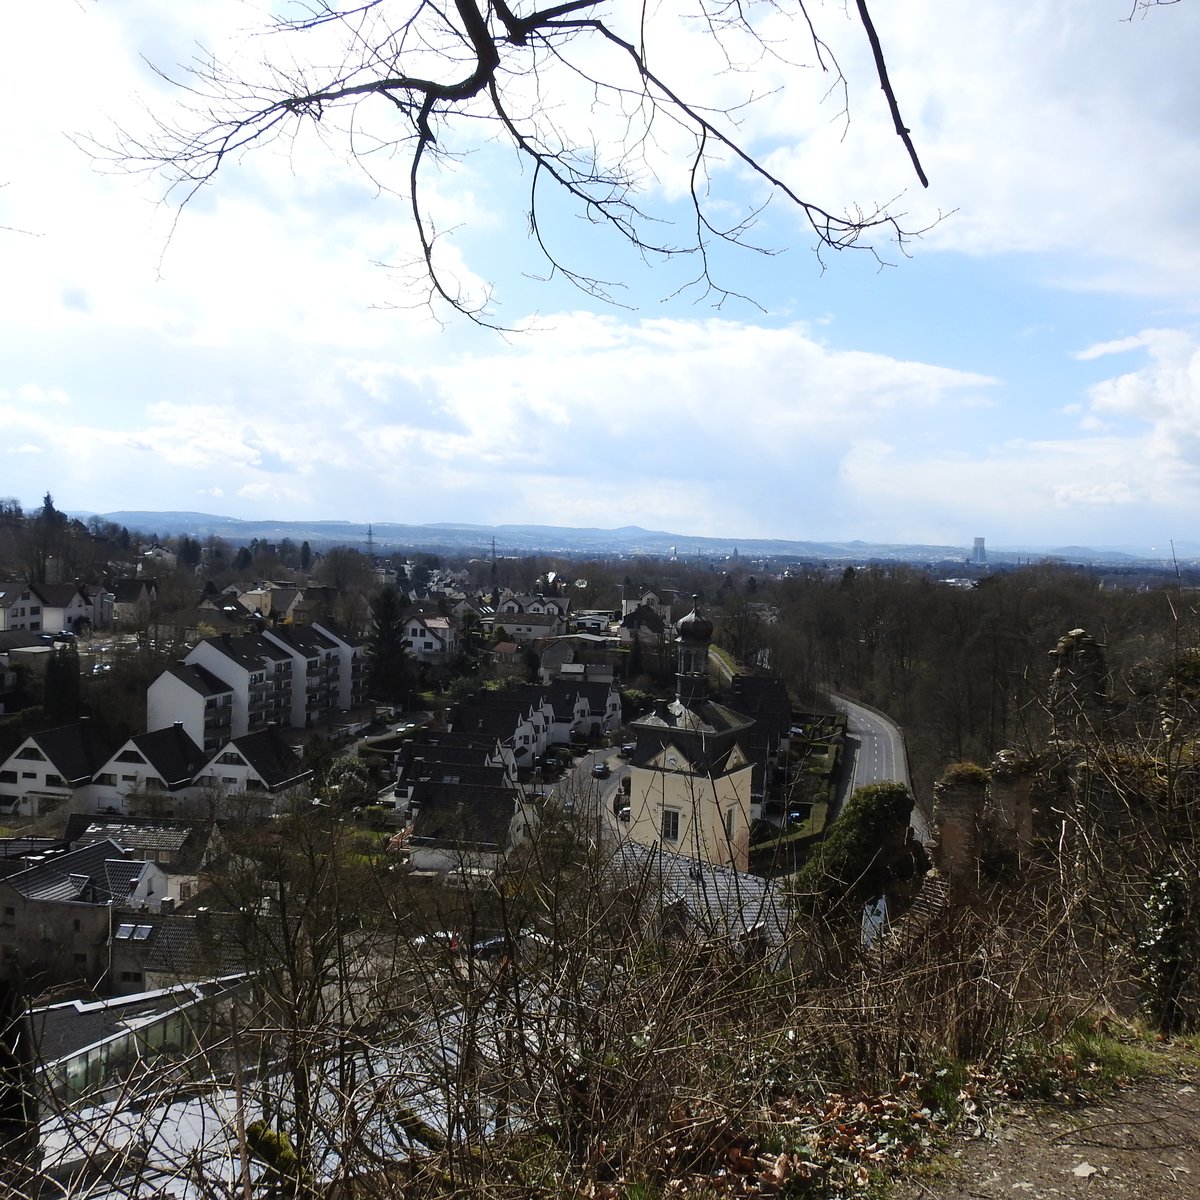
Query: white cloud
pixel 1117 346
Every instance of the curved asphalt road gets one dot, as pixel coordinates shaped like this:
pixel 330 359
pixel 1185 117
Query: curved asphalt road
pixel 877 746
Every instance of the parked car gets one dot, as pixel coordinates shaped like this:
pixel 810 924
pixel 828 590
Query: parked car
pixel 445 939
pixel 627 749
pixel 600 770
pixel 491 949
pixel 623 814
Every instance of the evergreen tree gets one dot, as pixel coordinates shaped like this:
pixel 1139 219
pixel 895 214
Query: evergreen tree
pixel 61 699
pixel 390 670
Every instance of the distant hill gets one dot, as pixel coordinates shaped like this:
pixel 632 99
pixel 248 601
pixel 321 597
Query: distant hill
pixel 459 538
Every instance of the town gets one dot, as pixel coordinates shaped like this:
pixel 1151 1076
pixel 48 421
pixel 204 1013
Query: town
pixel 340 867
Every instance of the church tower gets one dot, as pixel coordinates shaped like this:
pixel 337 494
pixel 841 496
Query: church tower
pixel 693 636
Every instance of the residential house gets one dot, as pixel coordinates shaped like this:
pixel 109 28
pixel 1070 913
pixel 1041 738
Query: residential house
pixel 430 637
pixel 517 721
pixel 463 828
pixel 66 606
pixel 8 598
pixel 227 614
pixel 525 628
pixel 133 601
pixel 101 600
pixel 51 768
pixel 151 774
pixel 58 916
pixel 657 602
pixel 558 606
pixel 352 665
pixel 195 698
pixel 260 765
pixel 691 773
pixel 159 554
pixel 21 608
pixel 183 849
pixel 316 665
pixel 443 756
pixel 713 907
pixel 259 673
pixel 285 603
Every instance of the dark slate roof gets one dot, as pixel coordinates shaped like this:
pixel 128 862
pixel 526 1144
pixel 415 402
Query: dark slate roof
pixel 304 639
pixel 173 755
pixel 707 717
pixel 644 617
pixel 494 723
pixel 76 751
pixel 331 628
pixel 248 650
pixel 439 771
pixel 58 595
pixel 130 591
pixel 92 875
pixel 195 946
pixel 450 737
pixel 421 762
pixel 271 757
pixel 505 619
pixel 185 841
pixel 720 902
pixel 597 694
pixel 450 814
pixel 199 679
pixel 282 597
pixel 18 639
pixel 705 732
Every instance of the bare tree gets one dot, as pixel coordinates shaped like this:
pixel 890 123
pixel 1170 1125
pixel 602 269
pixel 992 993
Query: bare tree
pixel 586 93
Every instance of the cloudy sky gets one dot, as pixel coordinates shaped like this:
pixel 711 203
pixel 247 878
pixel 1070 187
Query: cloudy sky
pixel 1026 370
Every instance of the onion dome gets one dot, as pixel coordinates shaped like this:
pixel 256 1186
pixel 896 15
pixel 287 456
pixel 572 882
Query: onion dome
pixel 694 627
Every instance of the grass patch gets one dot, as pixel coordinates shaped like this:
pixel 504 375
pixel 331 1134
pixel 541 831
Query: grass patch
pixel 1089 1060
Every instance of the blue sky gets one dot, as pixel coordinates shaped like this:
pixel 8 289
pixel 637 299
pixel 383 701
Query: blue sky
pixel 1028 370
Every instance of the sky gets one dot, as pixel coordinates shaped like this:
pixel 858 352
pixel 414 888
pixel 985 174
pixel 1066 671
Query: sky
pixel 1026 369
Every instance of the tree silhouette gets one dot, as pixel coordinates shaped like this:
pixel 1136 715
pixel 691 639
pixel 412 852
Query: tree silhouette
pixel 585 93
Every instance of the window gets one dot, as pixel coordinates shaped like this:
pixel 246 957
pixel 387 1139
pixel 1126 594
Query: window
pixel 54 781
pixel 8 777
pixel 131 977
pixel 10 915
pixel 28 774
pixel 729 824
pixel 31 752
pixel 108 779
pixel 670 825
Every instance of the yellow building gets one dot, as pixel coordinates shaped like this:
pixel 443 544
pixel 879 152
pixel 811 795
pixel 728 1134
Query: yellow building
pixel 690 775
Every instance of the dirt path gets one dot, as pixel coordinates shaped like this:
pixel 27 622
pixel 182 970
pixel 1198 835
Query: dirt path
pixel 1143 1143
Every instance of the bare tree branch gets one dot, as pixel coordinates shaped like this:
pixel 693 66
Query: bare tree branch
pixel 448 72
